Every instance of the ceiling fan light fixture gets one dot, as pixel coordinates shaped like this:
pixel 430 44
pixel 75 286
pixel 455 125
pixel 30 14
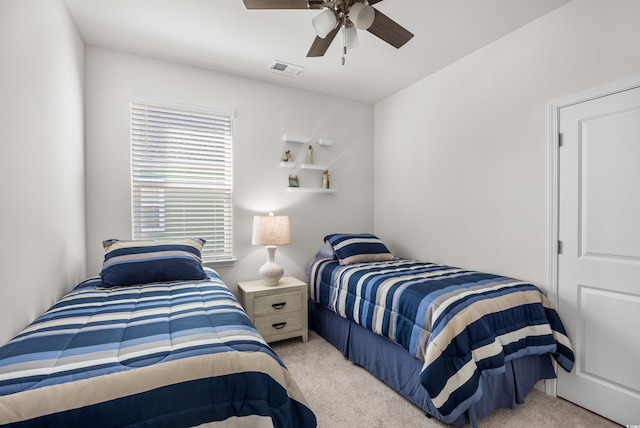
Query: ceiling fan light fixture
pixel 362 15
pixel 336 15
pixel 350 37
pixel 324 23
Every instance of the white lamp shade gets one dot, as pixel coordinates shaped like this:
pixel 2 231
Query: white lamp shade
pixel 362 15
pixel 350 37
pixel 324 23
pixel 271 230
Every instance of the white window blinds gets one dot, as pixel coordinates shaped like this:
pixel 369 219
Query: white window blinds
pixel 181 170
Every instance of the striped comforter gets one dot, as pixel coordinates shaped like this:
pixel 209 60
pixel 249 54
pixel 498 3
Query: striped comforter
pixel 171 354
pixel 462 324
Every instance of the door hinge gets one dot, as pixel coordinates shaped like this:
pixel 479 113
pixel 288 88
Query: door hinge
pixel 560 139
pixel 559 247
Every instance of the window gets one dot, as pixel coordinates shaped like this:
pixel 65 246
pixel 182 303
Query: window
pixel 181 175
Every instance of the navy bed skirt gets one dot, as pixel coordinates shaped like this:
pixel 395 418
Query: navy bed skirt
pixel 392 364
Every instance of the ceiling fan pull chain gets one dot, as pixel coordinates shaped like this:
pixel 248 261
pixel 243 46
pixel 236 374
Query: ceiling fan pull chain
pixel 344 39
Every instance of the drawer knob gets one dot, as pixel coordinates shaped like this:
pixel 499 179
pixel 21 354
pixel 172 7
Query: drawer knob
pixel 279 325
pixel 278 305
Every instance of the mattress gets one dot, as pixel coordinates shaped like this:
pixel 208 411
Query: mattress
pixel 167 354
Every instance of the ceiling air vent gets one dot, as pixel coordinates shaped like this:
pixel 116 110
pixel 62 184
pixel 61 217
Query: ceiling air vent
pixel 284 69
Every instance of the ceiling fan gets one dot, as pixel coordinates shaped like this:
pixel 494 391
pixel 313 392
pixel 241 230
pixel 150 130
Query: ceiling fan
pixel 347 15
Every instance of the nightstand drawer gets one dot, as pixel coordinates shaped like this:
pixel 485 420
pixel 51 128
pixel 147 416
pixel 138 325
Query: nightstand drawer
pixel 277 304
pixel 279 323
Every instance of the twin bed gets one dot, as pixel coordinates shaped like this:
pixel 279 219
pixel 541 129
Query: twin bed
pixel 455 342
pixel 156 340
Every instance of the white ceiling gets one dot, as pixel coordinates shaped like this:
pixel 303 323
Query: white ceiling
pixel 222 35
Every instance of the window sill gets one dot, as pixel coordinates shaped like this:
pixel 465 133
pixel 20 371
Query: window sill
pixel 220 263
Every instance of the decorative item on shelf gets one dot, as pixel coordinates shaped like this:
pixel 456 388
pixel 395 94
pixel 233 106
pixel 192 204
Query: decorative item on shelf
pixel 287 156
pixel 271 231
pixel 293 181
pixel 310 155
pixel 325 179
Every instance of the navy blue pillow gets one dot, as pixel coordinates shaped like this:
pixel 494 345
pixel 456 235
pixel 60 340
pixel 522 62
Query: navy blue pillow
pixel 144 262
pixel 358 248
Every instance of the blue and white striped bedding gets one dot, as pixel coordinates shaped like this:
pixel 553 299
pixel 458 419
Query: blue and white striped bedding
pixel 461 324
pixel 169 354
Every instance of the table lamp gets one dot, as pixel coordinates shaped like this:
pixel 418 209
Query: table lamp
pixel 271 231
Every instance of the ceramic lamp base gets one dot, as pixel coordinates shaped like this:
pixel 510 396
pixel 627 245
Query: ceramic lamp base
pixel 271 272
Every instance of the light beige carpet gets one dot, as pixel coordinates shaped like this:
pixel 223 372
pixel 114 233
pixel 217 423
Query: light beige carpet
pixel 343 394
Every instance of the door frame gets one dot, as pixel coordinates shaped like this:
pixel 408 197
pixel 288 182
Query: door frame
pixel 553 182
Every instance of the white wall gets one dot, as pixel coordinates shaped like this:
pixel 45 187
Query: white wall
pixel 461 156
pixel 263 113
pixel 42 254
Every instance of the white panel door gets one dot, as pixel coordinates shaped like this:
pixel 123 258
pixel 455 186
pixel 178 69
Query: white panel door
pixel 599 267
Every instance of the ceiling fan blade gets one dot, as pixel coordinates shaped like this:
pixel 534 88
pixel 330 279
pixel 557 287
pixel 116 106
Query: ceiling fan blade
pixel 389 30
pixel 276 4
pixel 372 2
pixel 320 45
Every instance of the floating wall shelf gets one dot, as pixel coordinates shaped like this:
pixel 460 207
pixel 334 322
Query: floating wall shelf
pixel 308 166
pixel 313 166
pixel 310 190
pixel 296 139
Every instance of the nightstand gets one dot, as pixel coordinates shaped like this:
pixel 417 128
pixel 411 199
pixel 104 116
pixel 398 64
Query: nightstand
pixel 278 311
